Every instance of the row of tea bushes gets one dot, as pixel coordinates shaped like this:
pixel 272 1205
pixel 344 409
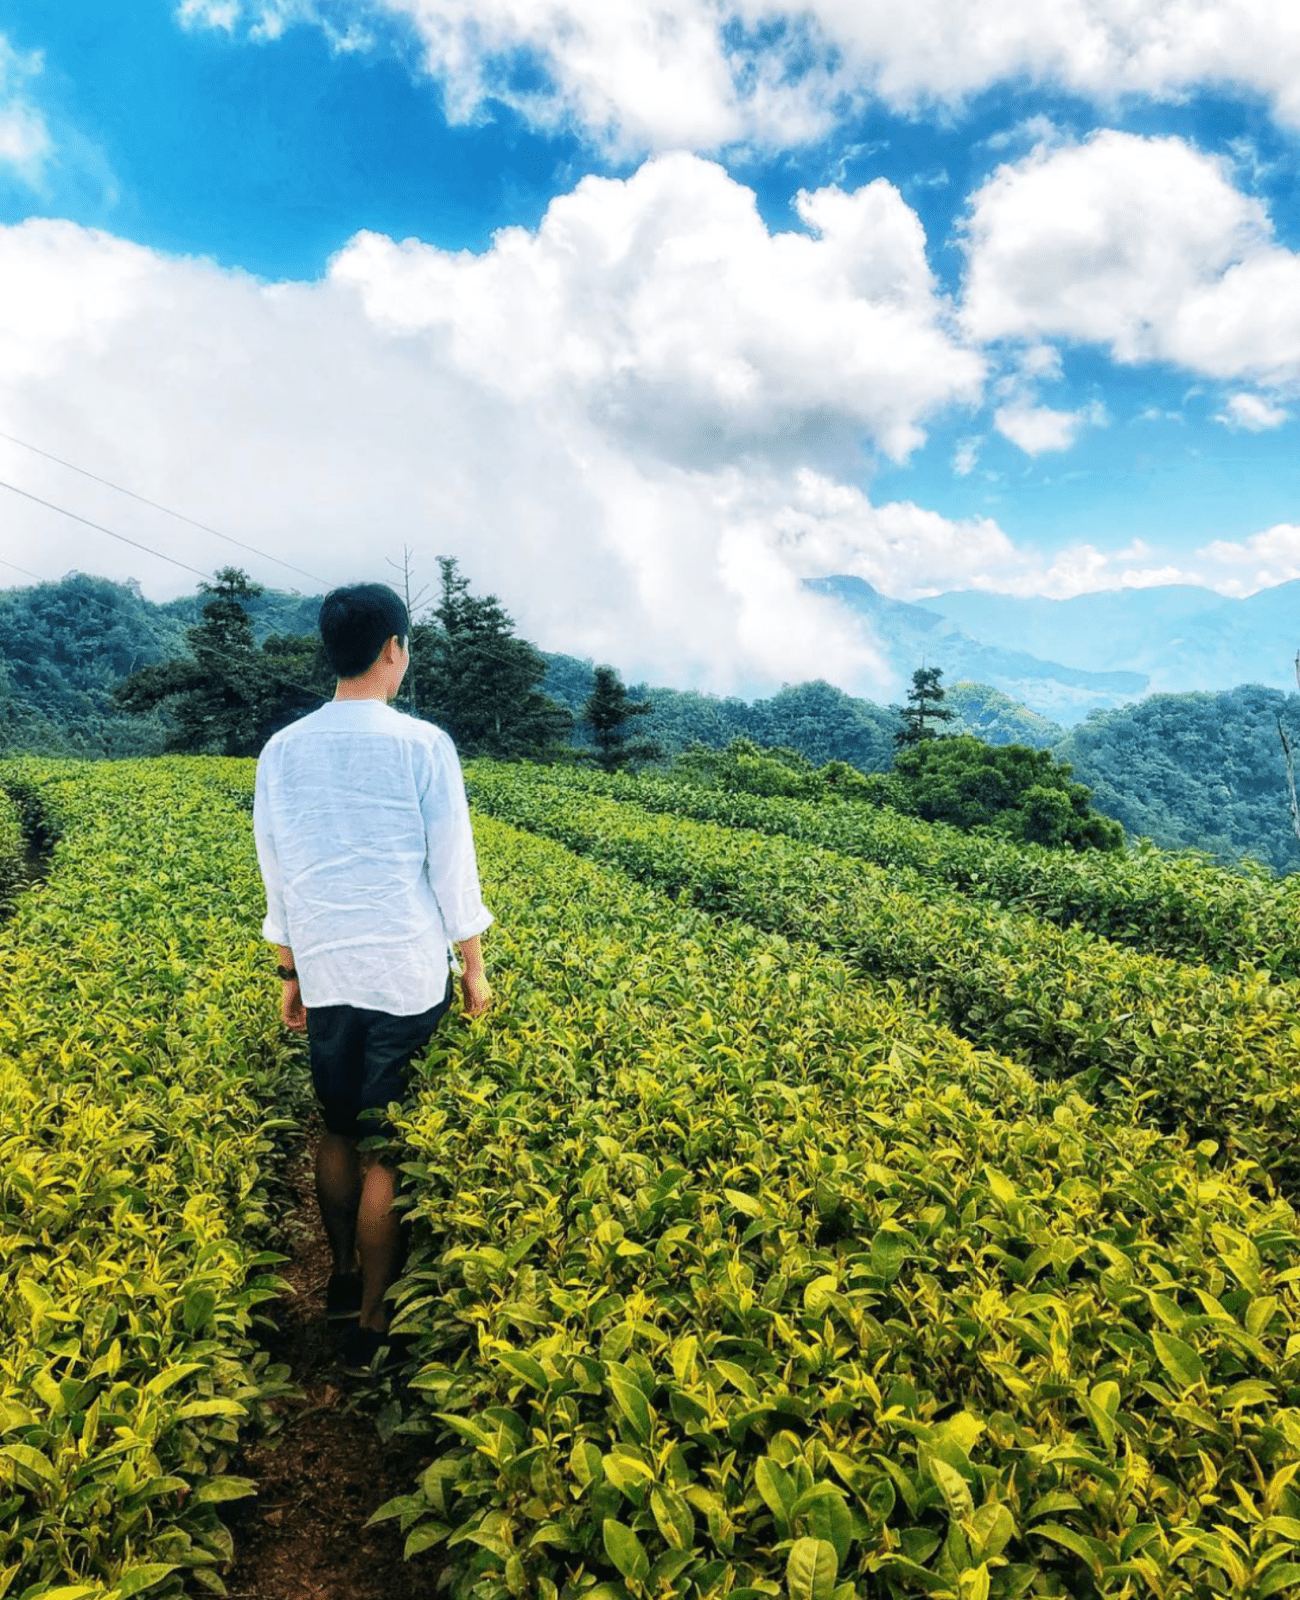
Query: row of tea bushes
pixel 12 848
pixel 730 1275
pixel 1215 1054
pixel 1177 905
pixel 143 1081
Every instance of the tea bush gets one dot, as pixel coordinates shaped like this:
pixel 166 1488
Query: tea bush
pixel 1215 1054
pixel 142 1067
pixel 733 1276
pixel 12 847
pixel 733 1271
pixel 1182 905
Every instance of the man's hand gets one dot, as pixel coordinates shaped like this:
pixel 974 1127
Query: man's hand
pixel 475 990
pixel 292 1011
pixel 475 993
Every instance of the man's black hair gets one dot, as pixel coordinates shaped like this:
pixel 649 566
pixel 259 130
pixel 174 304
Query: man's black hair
pixel 356 622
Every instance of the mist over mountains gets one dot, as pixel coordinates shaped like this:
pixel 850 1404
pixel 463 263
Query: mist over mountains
pixel 1065 658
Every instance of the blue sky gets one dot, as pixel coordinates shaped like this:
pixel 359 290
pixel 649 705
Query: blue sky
pixel 647 315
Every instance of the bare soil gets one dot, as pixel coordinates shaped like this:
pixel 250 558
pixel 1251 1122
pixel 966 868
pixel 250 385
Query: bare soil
pixel 303 1536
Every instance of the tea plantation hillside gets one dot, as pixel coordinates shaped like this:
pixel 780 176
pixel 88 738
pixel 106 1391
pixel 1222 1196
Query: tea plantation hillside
pixel 816 1213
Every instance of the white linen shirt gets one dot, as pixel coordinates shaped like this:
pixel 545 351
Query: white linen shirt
pixel 364 841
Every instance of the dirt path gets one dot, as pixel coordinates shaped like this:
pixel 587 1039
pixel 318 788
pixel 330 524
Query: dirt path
pixel 303 1537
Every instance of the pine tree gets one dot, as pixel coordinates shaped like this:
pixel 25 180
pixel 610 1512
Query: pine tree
pixel 474 678
pixel 606 713
pixel 228 697
pixel 924 706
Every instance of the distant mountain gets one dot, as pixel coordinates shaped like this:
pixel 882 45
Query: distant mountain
pixel 915 635
pixel 1178 637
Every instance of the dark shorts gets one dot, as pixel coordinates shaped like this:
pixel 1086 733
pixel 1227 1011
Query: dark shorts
pixel 360 1061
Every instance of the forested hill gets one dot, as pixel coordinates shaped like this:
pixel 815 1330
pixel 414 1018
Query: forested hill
pixel 63 647
pixel 1202 770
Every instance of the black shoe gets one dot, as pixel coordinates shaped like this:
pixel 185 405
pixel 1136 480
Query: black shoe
pixel 368 1351
pixel 343 1296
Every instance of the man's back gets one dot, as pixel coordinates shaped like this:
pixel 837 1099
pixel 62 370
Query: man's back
pixel 364 839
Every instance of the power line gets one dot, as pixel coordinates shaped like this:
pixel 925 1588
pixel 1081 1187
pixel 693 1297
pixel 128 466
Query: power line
pixel 220 655
pixel 496 655
pixel 100 528
pixel 167 510
pixel 14 565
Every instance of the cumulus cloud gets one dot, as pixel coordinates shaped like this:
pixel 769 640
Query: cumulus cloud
pixel 1142 245
pixel 709 73
pixel 630 423
pixel 1235 568
pixel 1037 428
pixel 663 305
pixel 1246 566
pixel 25 142
pixel 1253 412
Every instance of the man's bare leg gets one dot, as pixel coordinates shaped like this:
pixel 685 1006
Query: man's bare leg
pixel 338 1193
pixel 379 1242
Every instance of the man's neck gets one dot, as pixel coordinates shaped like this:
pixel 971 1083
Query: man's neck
pixel 363 688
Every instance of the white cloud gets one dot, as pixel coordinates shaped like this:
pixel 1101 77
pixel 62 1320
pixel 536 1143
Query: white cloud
pixel 1260 562
pixel 966 456
pixel 609 421
pixel 25 142
pixel 1254 412
pixel 1232 568
pixel 1037 428
pixel 708 73
pixel 682 326
pixel 1139 244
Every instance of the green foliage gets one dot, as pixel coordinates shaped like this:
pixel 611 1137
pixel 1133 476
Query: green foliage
pixel 730 1274
pixel 820 721
pixel 996 718
pixel 1195 770
pixel 143 1080
pixel 1214 1055
pixel 228 697
pixel 12 849
pixel 1181 906
pixel 1022 793
pixel 732 1271
pixel 747 768
pixel 606 713
pixel 924 707
pixel 473 677
pixel 63 647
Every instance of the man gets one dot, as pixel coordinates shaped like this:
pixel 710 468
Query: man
pixel 363 837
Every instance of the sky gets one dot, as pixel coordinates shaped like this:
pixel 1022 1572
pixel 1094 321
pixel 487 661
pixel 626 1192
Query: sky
pixel 648 312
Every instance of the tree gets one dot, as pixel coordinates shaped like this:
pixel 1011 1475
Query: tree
pixel 228 697
pixel 474 678
pixel 607 712
pixel 1009 789
pixel 924 706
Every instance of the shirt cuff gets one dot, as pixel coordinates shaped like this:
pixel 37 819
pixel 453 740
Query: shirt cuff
pixel 467 930
pixel 273 933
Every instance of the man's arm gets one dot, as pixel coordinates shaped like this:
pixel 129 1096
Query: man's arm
pixel 453 870
pixel 292 1011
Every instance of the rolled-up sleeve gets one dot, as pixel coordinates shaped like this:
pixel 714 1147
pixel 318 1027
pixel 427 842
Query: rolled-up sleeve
pixel 275 925
pixel 452 864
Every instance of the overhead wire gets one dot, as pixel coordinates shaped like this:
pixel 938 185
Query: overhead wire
pixel 157 505
pixel 16 568
pixel 495 655
pixel 99 527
